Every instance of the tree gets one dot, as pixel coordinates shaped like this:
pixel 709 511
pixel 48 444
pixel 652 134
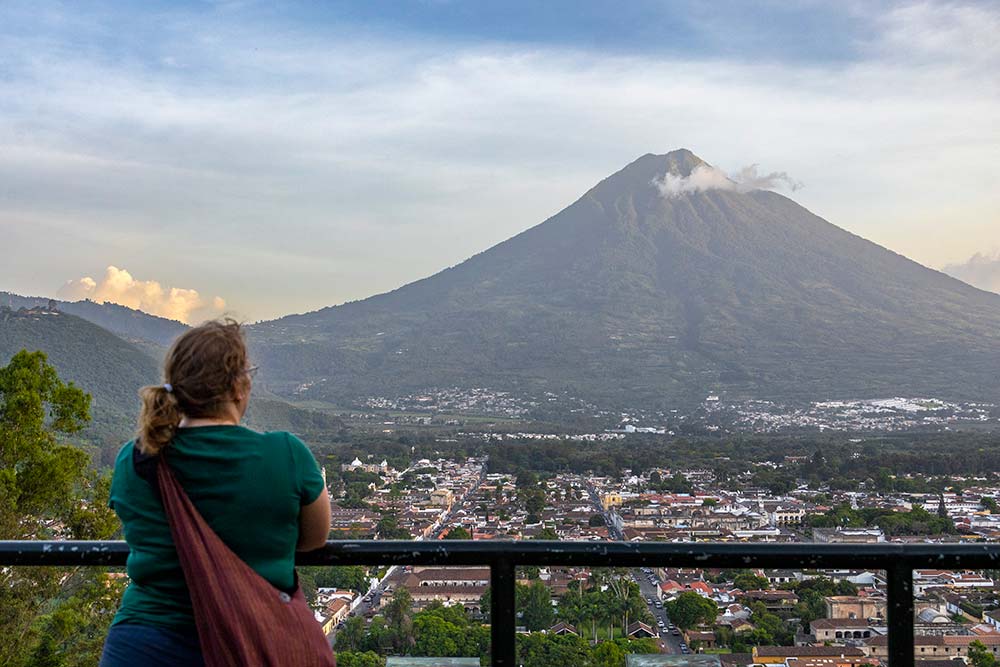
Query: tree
pixel 348 577
pixel 640 646
pixel 458 533
pixel 812 594
pixel 486 604
pixel 535 604
pixel 50 615
pixel 771 626
pixel 608 654
pixel 388 528
pixel 379 636
pixel 543 650
pixel 845 587
pixel 884 480
pixel 980 656
pixel 678 484
pixel 594 610
pixel 623 599
pixel 399 620
pixel 434 636
pixel 37 474
pixel 353 659
pixel 595 521
pixel 448 632
pixel 534 500
pixel 526 479
pixel 745 641
pixel 690 609
pixel 989 504
pixel 351 637
pixel 571 608
pixel 547 533
pixel 748 581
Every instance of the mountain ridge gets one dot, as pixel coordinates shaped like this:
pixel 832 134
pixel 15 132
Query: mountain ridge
pixel 132 324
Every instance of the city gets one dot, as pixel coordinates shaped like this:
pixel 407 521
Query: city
pixel 738 617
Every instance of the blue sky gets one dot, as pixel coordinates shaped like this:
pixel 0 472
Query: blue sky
pixel 779 30
pixel 286 159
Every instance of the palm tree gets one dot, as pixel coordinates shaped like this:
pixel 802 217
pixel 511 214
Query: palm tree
pixel 593 608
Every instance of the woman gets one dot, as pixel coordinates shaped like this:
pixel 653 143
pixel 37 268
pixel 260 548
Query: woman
pixel 262 493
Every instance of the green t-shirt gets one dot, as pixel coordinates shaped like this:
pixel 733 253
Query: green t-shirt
pixel 248 486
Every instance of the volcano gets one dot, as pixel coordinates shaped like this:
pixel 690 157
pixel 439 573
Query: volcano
pixel 632 297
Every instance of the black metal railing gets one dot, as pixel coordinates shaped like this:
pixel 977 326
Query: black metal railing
pixel 503 557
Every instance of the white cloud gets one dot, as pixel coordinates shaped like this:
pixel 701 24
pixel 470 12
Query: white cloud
pixel 118 286
pixel 982 271
pixel 943 32
pixel 700 179
pixel 748 179
pixel 705 177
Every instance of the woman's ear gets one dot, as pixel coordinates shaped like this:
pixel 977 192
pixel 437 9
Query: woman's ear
pixel 241 391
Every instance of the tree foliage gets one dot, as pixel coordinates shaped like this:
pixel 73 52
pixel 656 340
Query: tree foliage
pixel 917 521
pixel 47 490
pixel 690 610
pixel 748 581
pixel 358 659
pixel 980 656
pixel 535 605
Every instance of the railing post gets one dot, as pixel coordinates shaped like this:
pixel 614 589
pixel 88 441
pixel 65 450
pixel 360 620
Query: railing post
pixel 900 575
pixel 503 619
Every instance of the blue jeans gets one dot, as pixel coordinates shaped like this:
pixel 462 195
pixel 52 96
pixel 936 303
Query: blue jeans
pixel 131 645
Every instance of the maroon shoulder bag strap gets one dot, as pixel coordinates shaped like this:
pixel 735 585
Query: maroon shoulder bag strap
pixel 242 619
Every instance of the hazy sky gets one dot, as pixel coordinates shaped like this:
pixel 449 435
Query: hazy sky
pixel 286 160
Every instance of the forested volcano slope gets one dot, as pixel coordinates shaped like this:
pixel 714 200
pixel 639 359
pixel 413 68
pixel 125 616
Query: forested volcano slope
pixel 632 297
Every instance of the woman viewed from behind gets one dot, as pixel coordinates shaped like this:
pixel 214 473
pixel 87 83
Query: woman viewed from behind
pixel 262 494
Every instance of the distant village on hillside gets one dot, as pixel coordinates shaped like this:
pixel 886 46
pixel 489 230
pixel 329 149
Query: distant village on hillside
pixel 715 414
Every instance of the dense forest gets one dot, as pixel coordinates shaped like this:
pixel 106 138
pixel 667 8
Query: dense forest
pixel 903 462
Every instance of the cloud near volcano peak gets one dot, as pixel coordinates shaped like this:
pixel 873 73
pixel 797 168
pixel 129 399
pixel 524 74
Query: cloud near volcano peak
pixel 119 286
pixel 704 177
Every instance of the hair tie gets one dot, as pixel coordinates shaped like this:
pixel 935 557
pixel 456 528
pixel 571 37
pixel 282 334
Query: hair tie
pixel 169 387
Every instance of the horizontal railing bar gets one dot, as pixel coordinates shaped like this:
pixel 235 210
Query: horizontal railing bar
pixel 555 553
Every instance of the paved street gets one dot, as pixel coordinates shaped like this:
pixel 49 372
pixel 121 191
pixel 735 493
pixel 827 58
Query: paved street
pixel 391 577
pixel 669 643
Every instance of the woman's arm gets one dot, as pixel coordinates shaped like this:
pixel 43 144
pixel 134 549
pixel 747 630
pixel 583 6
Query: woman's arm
pixel 314 523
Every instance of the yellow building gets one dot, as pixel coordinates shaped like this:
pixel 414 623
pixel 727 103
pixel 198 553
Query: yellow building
pixel 609 500
pixel 779 655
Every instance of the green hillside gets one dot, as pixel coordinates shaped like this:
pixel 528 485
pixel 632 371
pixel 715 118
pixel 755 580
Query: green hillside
pixel 627 297
pixel 112 371
pixel 105 366
pixel 133 325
